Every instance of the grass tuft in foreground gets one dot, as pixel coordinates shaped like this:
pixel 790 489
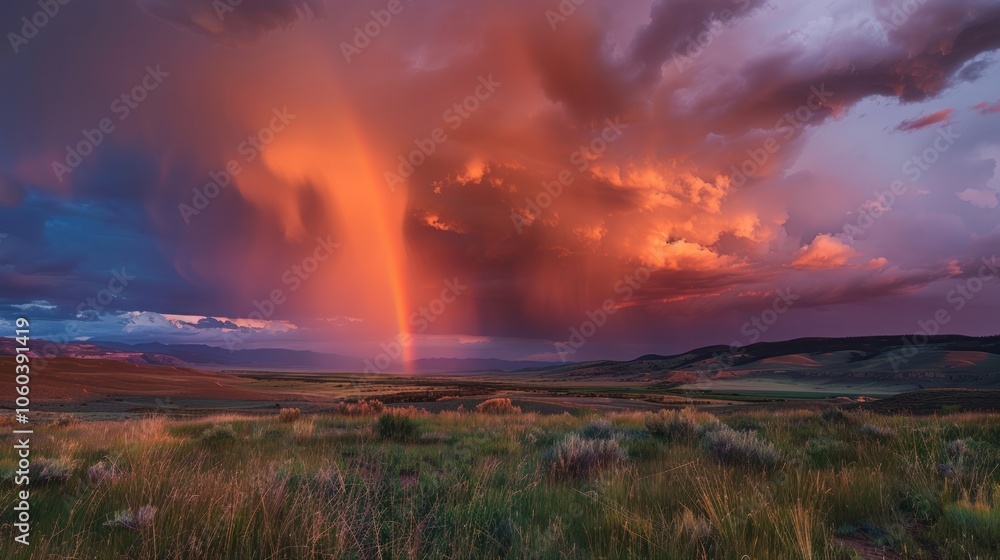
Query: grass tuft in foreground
pixel 575 457
pixel 397 426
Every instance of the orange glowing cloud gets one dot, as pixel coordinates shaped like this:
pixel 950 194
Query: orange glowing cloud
pixel 824 252
pixel 682 255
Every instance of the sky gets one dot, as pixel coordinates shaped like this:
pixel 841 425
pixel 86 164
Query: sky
pixel 514 179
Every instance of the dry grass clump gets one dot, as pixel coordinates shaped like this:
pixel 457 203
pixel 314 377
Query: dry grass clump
pixel 136 520
pixel 151 429
pixel 731 447
pixel 289 414
pixel 49 471
pixel 64 420
pixel 303 430
pixel 498 406
pixel 326 482
pixel 692 527
pixel 836 415
pixel 876 432
pixel 104 471
pixel 361 408
pixel 575 457
pixel 685 425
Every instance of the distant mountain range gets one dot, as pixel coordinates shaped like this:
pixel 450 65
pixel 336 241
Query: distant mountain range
pixel 278 359
pixel 946 360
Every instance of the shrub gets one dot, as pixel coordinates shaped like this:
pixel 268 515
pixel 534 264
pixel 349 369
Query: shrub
pixel 574 457
pixel 958 449
pixel 396 426
pixel 600 429
pixel 104 471
pixel 49 471
pixel 730 447
pixel 218 435
pixel 289 414
pixel 498 406
pixel 361 408
pixel 836 416
pixel 135 520
pixel 948 471
pixel 876 432
pixel 684 425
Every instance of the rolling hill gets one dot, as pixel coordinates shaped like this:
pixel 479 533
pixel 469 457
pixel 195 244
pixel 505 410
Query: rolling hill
pixel 944 361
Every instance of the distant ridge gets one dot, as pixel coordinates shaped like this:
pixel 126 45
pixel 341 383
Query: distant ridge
pixel 213 357
pixel 942 361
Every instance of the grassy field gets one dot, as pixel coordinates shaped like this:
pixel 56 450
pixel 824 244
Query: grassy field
pixel 406 484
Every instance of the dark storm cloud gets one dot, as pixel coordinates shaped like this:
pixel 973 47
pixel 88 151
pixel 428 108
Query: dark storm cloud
pixel 679 29
pixel 915 64
pixel 233 21
pixel 68 252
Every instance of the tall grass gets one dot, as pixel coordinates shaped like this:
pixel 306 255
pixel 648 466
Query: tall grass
pixel 472 485
pixel 397 426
